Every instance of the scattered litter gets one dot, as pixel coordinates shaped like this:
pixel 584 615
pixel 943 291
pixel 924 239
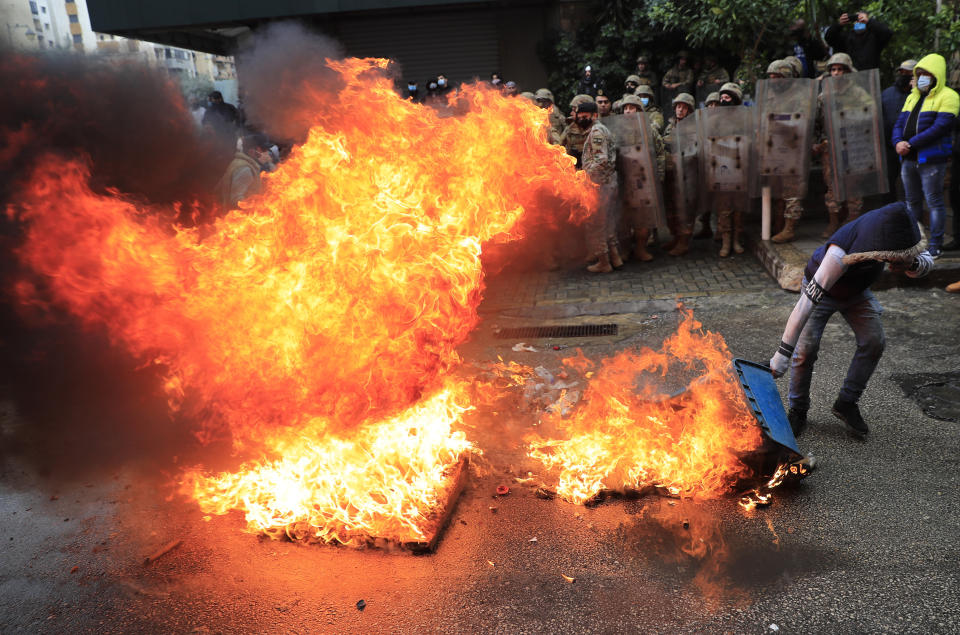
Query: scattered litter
pixel 493 510
pixel 522 347
pixel 525 481
pixel 54 497
pixel 544 493
pixel 491 563
pixel 361 605
pixel 74 570
pixel 565 403
pixel 502 490
pixel 568 578
pixel 159 553
pixel 534 539
pixel 774 628
pixel 686 524
pixel 556 348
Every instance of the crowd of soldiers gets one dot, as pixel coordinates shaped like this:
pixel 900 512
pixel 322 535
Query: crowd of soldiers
pixel 714 154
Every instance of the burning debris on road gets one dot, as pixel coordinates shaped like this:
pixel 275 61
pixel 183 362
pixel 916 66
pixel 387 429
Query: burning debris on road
pixel 317 327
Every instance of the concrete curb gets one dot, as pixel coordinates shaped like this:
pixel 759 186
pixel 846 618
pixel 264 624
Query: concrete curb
pixel 785 264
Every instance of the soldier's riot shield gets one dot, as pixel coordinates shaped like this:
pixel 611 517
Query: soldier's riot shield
pixel 852 116
pixel 785 134
pixel 640 187
pixel 727 161
pixel 685 149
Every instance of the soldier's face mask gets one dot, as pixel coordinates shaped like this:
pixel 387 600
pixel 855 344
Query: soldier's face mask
pixel 441 82
pixel 543 103
pixel 645 101
pixel 726 100
pixel 584 121
pixel 903 81
pixel 412 88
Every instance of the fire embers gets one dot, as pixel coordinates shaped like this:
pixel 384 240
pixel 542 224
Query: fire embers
pixel 626 437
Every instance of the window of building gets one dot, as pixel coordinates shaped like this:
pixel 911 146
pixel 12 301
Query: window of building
pixel 77 38
pixel 74 19
pixel 46 26
pixel 33 8
pixel 43 9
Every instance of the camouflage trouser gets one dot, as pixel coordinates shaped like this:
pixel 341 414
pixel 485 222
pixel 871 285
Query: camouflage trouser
pixel 854 205
pixel 792 208
pixel 730 207
pixel 603 226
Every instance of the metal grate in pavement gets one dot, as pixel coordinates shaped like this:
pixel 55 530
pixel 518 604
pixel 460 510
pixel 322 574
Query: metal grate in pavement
pixel 577 330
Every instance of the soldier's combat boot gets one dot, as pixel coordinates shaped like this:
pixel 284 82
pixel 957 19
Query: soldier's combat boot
pixel 640 246
pixel 670 244
pixel 786 235
pixel 602 265
pixel 682 246
pixel 613 248
pixel 737 247
pixel 725 246
pixel 832 226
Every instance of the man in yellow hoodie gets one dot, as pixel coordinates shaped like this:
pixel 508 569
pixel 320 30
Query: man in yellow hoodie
pixel 923 138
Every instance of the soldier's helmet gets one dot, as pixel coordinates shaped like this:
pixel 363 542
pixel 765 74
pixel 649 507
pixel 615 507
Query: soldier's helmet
pixel 645 90
pixel 685 98
pixel 643 59
pixel 684 54
pixel 543 93
pixel 712 98
pixel 795 64
pixel 843 60
pixel 775 68
pixel 528 95
pixel 617 106
pixel 632 79
pixel 631 99
pixel 580 99
pixel 734 90
pixel 907 65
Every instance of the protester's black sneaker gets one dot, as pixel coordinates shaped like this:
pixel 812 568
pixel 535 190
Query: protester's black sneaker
pixel 798 421
pixel 849 413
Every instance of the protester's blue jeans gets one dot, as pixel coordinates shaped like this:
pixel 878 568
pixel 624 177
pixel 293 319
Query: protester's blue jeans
pixel 924 181
pixel 862 313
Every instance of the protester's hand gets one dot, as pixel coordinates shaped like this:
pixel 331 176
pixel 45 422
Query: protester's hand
pixel 903 148
pixel 863 17
pixel 844 18
pixel 779 364
pixel 700 82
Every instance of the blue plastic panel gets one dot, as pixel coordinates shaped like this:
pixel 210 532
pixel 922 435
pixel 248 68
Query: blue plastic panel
pixel 760 388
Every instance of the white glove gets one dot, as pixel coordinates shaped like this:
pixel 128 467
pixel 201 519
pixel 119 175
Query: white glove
pixel 780 361
pixel 920 266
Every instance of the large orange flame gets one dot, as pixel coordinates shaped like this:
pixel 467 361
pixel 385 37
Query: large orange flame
pixel 629 435
pixel 321 319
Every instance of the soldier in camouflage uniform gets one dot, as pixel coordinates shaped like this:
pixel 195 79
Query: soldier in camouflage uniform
pixel 790 207
pixel 644 73
pixel 643 220
pixel 544 99
pixel 679 79
pixel 839 64
pixel 711 78
pixel 600 164
pixel 681 226
pixel 631 84
pixel 604 105
pixel 650 107
pixel 712 100
pixel 574 135
pixel 730 205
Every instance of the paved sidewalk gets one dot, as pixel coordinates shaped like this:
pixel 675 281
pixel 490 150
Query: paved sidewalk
pixel 577 292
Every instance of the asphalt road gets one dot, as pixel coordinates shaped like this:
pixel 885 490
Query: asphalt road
pixel 867 543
